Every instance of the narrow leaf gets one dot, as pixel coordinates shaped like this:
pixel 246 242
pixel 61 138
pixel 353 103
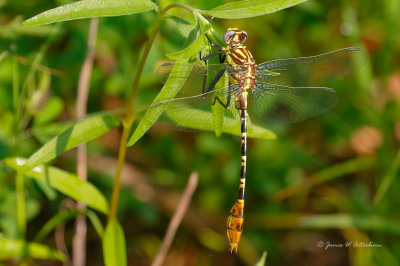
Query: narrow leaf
pixel 114 248
pixel 91 9
pixel 59 218
pixel 262 260
pixel 16 248
pixel 249 8
pixel 82 131
pixel 65 216
pixel 199 119
pixel 94 219
pixel 198 43
pixel 171 87
pixel 65 182
pixel 388 179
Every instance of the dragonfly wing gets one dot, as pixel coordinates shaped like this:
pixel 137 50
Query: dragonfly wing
pixel 198 70
pixel 205 111
pixel 284 104
pixel 312 70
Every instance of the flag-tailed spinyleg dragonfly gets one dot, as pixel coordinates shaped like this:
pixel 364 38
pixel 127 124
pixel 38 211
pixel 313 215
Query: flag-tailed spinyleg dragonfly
pixel 286 90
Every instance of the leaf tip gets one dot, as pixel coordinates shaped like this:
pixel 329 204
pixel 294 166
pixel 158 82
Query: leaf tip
pixel 30 21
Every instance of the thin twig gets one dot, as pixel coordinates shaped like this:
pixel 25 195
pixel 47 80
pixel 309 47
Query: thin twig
pixel 79 239
pixel 40 67
pixel 60 231
pixel 176 219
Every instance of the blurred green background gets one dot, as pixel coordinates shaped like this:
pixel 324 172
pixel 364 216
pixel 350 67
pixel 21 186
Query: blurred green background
pixel 332 178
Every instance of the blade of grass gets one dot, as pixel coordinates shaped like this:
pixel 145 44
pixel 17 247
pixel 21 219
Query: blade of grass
pixel 387 180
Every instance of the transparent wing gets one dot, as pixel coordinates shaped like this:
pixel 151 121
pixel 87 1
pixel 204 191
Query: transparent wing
pixel 210 111
pixel 277 103
pixel 198 69
pixel 312 70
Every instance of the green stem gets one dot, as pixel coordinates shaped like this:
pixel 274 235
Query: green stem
pixel 16 102
pixel 129 118
pixel 21 218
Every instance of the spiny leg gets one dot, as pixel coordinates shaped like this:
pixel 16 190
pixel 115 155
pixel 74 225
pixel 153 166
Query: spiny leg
pixel 205 59
pixel 220 52
pixel 235 219
pixel 214 81
pixel 228 99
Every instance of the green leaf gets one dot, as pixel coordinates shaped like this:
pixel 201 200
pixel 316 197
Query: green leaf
pixel 49 112
pixel 15 248
pixel 91 9
pixel 199 119
pixel 65 216
pixel 388 179
pixel 262 260
pixel 65 182
pixel 60 218
pixel 81 132
pixel 94 219
pixel 114 248
pixel 191 50
pixel 50 193
pixel 171 87
pixel 249 8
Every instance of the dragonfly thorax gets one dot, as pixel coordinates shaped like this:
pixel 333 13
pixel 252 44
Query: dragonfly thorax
pixel 243 66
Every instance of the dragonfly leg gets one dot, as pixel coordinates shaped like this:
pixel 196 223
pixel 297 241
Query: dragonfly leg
pixel 213 44
pixel 226 106
pixel 228 100
pixel 205 76
pixel 220 52
pixel 214 81
pixel 208 57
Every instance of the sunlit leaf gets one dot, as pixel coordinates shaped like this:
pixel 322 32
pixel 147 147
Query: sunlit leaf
pixel 65 182
pixel 91 9
pixel 83 131
pixel 114 248
pixel 199 119
pixel 262 260
pixel 15 248
pixel 249 8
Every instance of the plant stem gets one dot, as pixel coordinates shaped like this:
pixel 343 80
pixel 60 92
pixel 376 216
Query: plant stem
pixel 21 217
pixel 176 219
pixel 79 239
pixel 129 118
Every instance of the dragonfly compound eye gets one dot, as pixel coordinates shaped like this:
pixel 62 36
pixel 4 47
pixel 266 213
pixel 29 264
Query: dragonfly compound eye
pixel 228 35
pixel 243 36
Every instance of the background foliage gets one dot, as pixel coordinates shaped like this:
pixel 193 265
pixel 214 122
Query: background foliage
pixel 331 178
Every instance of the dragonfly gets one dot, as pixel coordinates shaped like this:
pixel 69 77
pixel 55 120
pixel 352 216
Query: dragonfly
pixel 285 90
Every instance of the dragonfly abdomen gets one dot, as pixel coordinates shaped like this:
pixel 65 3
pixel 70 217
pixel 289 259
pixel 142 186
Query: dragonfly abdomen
pixel 234 225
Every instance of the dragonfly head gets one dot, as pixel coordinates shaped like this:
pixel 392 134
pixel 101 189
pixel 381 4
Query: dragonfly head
pixel 235 36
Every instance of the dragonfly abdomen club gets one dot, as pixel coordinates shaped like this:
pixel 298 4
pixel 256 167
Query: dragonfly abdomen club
pixel 284 90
